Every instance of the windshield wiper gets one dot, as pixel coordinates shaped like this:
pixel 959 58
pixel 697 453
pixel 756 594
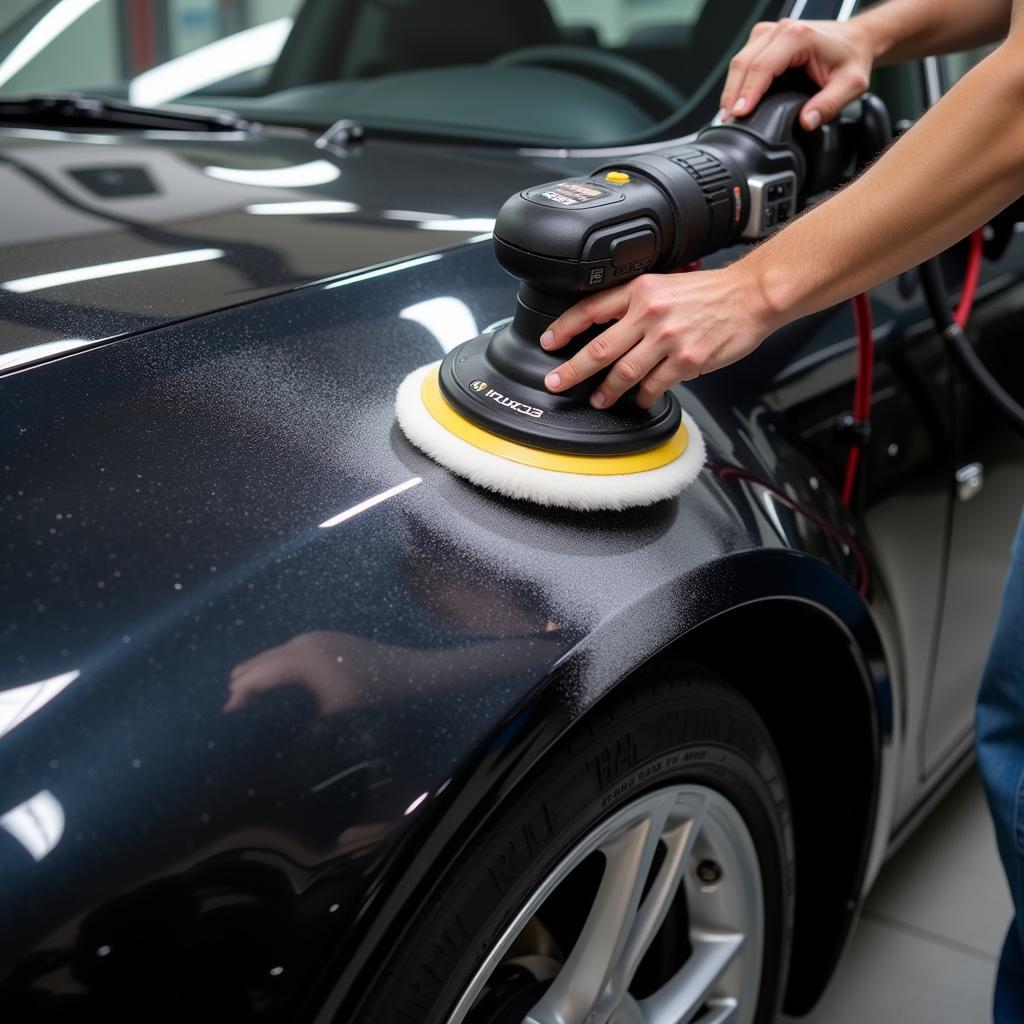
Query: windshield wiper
pixel 73 110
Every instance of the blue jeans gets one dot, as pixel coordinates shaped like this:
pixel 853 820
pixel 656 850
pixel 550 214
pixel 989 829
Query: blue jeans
pixel 1000 744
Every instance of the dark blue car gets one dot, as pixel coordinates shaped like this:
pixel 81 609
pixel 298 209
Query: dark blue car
pixel 297 726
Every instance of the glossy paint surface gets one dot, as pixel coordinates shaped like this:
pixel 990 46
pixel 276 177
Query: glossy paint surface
pixel 254 646
pixel 106 235
pixel 266 677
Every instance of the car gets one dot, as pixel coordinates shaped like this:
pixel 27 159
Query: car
pixel 296 725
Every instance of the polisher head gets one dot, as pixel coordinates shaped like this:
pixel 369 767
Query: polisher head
pixel 563 479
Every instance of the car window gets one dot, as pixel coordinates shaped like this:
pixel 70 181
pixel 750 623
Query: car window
pixel 589 71
pixel 108 45
pixel 956 65
pixel 683 40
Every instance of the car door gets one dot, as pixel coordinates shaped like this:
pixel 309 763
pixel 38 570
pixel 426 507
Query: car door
pixel 806 374
pixel 987 489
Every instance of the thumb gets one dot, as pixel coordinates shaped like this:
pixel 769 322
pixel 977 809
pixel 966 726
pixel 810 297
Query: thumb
pixel 824 106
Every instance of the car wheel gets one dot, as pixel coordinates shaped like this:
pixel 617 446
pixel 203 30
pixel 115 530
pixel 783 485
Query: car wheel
pixel 643 876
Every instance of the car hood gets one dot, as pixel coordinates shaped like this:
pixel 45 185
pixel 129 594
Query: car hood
pixel 108 234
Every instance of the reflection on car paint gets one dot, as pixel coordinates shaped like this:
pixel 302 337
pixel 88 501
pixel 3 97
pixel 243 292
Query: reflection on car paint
pixel 334 213
pixel 447 318
pixel 21 702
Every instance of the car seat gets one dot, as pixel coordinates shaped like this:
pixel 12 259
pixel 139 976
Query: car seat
pixel 333 40
pixel 471 32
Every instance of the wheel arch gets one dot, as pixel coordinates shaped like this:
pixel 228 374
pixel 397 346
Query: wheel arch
pixel 773 599
pixel 822 717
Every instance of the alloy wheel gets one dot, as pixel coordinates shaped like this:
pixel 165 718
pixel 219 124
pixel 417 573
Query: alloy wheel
pixel 683 851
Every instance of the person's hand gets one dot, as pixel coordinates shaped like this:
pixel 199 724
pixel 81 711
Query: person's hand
pixel 326 664
pixel 671 327
pixel 838 56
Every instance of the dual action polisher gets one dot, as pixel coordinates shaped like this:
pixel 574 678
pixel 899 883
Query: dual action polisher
pixel 483 411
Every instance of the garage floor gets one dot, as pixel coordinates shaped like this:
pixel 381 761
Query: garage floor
pixel 926 948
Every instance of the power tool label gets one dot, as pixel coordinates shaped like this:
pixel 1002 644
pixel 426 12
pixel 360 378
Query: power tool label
pixel 496 396
pixel 571 193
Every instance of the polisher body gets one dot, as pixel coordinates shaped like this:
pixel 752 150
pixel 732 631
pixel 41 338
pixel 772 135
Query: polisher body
pixel 484 411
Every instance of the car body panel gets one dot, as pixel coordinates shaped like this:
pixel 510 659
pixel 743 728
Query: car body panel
pixel 982 522
pixel 166 499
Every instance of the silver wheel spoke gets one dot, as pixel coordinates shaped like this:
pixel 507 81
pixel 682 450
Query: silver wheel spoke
pixel 679 842
pixel 585 976
pixel 629 1012
pixel 678 1001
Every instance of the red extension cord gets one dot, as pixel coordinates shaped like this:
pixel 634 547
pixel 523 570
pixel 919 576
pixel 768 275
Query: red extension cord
pixel 866 353
pixel 862 385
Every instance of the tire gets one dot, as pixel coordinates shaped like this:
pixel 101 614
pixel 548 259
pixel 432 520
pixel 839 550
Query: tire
pixel 662 749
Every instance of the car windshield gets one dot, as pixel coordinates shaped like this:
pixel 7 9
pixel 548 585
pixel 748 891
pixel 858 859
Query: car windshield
pixel 542 72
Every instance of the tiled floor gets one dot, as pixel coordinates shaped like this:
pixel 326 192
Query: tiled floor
pixel 926 948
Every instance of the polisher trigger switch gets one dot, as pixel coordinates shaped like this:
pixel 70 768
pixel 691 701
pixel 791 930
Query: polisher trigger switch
pixel 619 242
pixel 637 247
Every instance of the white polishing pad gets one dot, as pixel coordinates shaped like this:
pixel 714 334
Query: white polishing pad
pixel 541 486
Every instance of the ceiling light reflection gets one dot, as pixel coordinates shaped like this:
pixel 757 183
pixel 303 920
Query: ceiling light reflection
pixel 381 271
pixel 21 702
pixel 303 208
pixel 448 319
pixel 32 354
pixel 416 215
pixel 38 823
pixel 98 270
pixel 41 34
pixel 475 224
pixel 341 517
pixel 243 51
pixel 315 172
pixel 412 807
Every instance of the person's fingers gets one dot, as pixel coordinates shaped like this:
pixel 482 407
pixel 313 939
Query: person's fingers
pixel 759 38
pixel 263 673
pixel 666 373
pixel 787 48
pixel 594 309
pixel 629 370
pixel 842 88
pixel 238 697
pixel 595 355
pixel 249 662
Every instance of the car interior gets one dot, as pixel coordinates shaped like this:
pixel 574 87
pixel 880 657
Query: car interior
pixel 501 68
pixel 548 72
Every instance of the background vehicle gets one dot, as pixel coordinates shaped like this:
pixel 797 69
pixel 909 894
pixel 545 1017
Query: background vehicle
pixel 296 725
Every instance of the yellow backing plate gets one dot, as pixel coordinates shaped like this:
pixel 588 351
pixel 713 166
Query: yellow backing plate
pixel 559 462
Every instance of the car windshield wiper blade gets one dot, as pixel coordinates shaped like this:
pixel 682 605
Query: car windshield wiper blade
pixel 72 110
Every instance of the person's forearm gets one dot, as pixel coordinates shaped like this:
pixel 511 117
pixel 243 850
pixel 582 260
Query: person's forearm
pixel 909 29
pixel 959 165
